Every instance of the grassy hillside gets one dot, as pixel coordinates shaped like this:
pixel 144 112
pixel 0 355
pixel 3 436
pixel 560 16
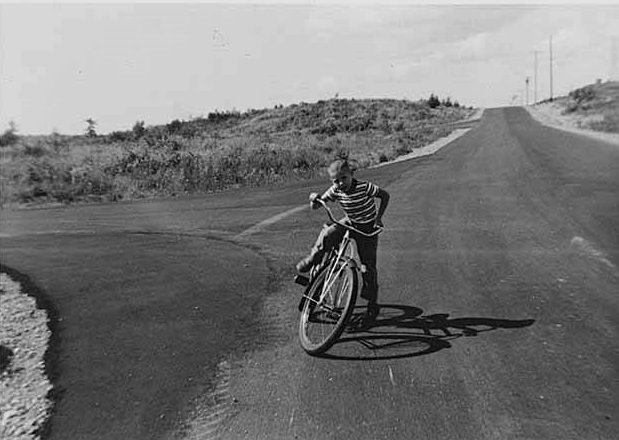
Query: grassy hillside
pixel 595 106
pixel 213 153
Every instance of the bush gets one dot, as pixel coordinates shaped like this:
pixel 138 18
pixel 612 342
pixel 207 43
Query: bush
pixel 583 94
pixel 120 136
pixel 90 127
pixel 609 124
pixel 35 150
pixel 433 101
pixel 9 137
pixel 138 130
pixel 174 126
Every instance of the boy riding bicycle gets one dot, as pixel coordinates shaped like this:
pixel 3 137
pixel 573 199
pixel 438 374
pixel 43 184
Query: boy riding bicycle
pixel 356 197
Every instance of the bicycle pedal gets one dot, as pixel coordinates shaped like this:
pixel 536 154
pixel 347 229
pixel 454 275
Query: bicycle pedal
pixel 302 280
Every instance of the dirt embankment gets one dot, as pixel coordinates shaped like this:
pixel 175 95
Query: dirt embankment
pixel 553 115
pixel 592 110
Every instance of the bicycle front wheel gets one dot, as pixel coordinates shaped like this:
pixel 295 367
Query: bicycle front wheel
pixel 329 302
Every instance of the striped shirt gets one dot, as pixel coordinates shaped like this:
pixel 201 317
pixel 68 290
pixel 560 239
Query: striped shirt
pixel 358 203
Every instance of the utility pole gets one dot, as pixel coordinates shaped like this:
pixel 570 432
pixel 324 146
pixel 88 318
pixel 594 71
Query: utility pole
pixel 614 59
pixel 535 52
pixel 551 67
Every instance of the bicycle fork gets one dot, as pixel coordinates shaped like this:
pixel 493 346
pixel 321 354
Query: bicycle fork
pixel 338 263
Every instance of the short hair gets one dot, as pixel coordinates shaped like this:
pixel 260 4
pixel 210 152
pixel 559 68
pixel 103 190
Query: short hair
pixel 340 165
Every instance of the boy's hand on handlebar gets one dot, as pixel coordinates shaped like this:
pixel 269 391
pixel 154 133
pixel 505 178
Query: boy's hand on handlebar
pixel 314 197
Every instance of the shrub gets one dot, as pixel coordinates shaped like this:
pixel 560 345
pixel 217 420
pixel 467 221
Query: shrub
pixel 57 141
pixel 583 94
pixel 174 126
pixel 9 137
pixel 138 130
pixel 90 128
pixel 119 136
pixel 433 101
pixel 34 150
pixel 609 124
pixel 218 116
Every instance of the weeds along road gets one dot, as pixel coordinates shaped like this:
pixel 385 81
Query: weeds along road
pixel 499 274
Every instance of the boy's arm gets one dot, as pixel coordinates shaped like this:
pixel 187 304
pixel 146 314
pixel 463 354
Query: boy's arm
pixel 314 197
pixel 384 201
pixel 325 197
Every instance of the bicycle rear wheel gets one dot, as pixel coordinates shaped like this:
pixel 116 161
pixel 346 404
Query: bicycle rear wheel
pixel 329 302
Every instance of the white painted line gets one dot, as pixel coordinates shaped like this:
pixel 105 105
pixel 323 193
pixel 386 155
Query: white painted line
pixel 52 232
pixel 391 375
pixel 428 149
pixel 587 248
pixel 269 221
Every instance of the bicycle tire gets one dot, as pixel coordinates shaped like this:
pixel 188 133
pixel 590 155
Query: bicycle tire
pixel 322 322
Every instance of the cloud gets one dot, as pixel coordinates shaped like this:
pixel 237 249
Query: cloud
pixel 409 66
pixel 472 48
pixel 367 20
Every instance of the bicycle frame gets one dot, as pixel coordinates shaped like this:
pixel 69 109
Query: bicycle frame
pixel 332 288
pixel 345 243
pixel 335 269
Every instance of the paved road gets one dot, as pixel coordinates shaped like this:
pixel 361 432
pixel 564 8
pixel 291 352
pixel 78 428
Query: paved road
pixel 499 280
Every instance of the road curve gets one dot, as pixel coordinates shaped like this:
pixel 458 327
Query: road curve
pixel 140 321
pixel 500 314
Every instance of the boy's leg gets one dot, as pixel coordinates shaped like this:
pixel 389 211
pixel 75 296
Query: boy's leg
pixel 367 247
pixel 329 236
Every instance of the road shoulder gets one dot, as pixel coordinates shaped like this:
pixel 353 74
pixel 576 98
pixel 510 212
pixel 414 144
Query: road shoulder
pixel 551 116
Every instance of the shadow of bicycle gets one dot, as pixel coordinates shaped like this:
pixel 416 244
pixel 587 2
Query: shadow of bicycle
pixel 402 331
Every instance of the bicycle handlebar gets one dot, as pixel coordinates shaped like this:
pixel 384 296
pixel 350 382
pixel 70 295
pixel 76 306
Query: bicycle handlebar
pixel 377 231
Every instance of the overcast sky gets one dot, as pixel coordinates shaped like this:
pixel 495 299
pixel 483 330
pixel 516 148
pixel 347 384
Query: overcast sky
pixel 120 63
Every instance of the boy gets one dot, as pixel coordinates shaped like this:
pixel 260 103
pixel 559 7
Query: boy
pixel 357 199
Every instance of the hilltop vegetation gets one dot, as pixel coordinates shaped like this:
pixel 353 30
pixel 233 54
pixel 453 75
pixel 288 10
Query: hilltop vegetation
pixel 216 152
pixel 594 106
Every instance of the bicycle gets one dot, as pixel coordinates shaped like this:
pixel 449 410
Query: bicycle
pixel 331 291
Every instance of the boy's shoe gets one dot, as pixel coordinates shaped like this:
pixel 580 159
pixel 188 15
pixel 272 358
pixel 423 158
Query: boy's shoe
pixel 306 264
pixel 369 293
pixel 370 315
pixel 302 280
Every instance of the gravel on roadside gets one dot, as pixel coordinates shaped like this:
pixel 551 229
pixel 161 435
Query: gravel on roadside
pixel 24 386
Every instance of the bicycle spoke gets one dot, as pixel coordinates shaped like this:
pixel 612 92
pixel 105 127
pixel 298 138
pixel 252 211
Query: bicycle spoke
pixel 333 278
pixel 327 307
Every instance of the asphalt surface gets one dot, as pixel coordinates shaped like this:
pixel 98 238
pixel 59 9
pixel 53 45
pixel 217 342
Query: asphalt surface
pixel 499 291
